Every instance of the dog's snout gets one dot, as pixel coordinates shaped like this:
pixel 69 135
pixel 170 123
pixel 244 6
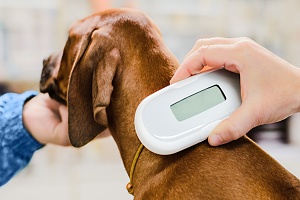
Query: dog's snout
pixel 44 62
pixel 48 82
pixel 46 73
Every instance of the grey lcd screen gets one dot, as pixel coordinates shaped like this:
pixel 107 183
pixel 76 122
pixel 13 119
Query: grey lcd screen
pixel 198 103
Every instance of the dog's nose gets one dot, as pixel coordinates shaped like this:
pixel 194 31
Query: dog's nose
pixel 44 62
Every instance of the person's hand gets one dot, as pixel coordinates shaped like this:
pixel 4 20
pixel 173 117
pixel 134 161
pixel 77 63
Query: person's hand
pixel 46 120
pixel 270 86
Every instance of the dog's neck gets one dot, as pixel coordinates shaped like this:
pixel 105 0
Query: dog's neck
pixel 129 92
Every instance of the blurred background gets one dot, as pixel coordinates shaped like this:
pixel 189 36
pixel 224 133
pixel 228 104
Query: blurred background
pixel 30 30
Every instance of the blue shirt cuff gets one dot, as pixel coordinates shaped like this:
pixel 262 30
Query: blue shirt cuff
pixel 16 143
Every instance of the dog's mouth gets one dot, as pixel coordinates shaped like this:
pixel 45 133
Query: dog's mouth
pixel 53 91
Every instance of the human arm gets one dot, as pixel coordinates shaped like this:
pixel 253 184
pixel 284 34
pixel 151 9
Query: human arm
pixel 270 86
pixel 17 144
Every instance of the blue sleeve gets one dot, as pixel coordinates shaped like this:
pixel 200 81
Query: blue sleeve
pixel 16 144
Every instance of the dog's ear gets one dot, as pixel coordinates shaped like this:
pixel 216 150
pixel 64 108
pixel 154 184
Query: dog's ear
pixel 90 88
pixel 102 85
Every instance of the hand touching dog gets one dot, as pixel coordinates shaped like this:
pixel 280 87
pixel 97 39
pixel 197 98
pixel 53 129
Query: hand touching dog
pixel 270 86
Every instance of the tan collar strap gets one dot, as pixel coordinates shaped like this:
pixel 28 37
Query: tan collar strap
pixel 129 185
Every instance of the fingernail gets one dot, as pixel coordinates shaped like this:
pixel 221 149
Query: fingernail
pixel 215 140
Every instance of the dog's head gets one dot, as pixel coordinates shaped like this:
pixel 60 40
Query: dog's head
pixel 96 48
pixel 48 77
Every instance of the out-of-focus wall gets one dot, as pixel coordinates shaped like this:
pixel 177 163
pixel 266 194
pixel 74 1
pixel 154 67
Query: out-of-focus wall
pixel 30 30
pixel 272 23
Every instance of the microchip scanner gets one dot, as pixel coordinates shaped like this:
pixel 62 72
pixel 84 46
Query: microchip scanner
pixel 184 113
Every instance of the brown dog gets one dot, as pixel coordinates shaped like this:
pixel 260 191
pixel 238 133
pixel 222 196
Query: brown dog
pixel 114 59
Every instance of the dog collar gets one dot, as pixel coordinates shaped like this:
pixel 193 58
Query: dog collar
pixel 129 185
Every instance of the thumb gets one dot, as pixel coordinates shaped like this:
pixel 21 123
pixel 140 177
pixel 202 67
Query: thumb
pixel 63 110
pixel 232 128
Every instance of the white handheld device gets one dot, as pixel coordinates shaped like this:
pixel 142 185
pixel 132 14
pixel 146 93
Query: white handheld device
pixel 184 113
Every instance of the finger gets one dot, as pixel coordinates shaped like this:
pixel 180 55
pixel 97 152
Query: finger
pixel 48 102
pixel 214 52
pixel 194 63
pixel 215 56
pixel 61 131
pixel 213 41
pixel 234 127
pixel 190 66
pixel 63 110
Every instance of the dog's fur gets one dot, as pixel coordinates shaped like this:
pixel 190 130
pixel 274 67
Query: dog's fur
pixel 114 59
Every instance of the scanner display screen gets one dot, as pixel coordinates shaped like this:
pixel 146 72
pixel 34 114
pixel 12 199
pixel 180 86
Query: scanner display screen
pixel 198 103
